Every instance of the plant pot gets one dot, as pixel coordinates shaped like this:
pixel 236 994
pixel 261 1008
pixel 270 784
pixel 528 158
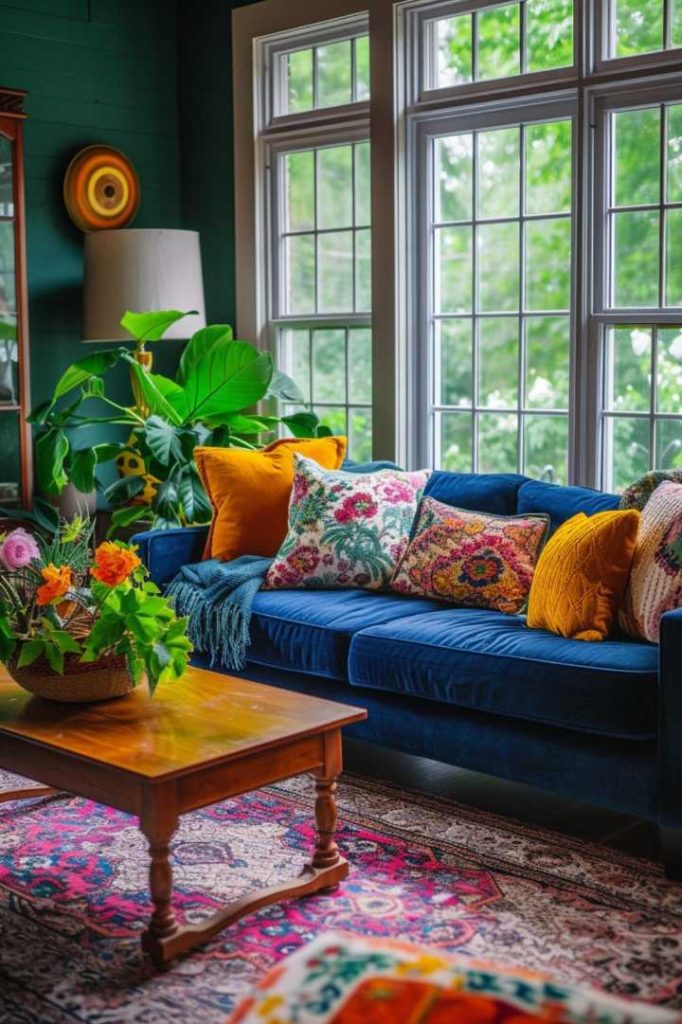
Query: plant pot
pixel 81 683
pixel 72 502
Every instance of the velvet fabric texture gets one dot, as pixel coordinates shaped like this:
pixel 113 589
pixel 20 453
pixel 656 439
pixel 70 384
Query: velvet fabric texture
pixel 617 773
pixel 311 631
pixel 471 558
pixel 478 492
pixel 561 503
pixel 483 660
pixel 249 492
pixel 580 579
pixel 655 584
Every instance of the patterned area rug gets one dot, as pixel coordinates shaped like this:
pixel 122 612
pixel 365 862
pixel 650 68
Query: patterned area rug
pixel 73 901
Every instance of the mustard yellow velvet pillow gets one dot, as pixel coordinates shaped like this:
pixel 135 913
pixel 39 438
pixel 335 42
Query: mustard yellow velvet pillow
pixel 250 491
pixel 581 575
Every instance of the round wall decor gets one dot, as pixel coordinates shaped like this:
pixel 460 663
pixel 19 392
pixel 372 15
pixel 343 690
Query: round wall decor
pixel 101 189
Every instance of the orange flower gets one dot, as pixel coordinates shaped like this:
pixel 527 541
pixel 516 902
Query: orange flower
pixel 57 583
pixel 113 563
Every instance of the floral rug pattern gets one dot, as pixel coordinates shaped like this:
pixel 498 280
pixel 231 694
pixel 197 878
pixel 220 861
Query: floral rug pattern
pixel 73 900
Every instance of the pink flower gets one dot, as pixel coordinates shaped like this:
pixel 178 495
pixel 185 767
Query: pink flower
pixel 357 506
pixel 395 491
pixel 18 550
pixel 305 559
pixel 300 487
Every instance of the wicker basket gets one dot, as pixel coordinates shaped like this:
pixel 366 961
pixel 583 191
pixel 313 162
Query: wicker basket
pixel 81 683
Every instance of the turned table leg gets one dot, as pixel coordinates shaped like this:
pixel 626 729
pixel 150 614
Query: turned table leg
pixel 326 851
pixel 158 827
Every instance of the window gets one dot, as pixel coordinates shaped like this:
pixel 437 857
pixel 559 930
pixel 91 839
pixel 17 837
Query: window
pixel 499 41
pixel 329 75
pixel 524 227
pixel 320 223
pixel 643 26
pixel 642 280
pixel 500 323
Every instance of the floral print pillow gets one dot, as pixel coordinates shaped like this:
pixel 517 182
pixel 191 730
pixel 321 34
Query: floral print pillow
pixel 471 558
pixel 345 529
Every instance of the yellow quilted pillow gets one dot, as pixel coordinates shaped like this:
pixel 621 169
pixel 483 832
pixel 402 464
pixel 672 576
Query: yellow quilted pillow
pixel 582 573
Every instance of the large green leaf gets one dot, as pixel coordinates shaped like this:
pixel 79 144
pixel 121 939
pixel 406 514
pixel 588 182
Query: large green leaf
pixel 126 516
pixel 152 326
pixel 81 371
pixel 8 332
pixel 124 489
pixel 165 503
pixel 241 424
pixel 82 469
pixel 153 394
pixel 163 440
pixel 107 451
pixel 302 424
pixel 284 388
pixel 230 378
pixel 52 448
pixel 199 345
pixel 193 498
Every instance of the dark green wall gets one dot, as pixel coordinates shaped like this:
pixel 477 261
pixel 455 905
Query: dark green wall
pixel 205 94
pixel 98 71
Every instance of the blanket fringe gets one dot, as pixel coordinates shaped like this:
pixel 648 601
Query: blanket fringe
pixel 220 629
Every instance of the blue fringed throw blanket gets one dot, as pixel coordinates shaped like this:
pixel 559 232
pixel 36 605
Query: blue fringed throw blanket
pixel 217 597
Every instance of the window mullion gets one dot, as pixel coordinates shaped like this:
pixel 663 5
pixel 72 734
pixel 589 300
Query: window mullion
pixel 521 397
pixel 475 330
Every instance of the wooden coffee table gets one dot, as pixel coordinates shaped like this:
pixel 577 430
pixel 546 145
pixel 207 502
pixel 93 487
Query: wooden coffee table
pixel 202 739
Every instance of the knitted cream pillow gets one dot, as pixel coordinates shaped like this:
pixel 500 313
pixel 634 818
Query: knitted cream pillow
pixel 655 583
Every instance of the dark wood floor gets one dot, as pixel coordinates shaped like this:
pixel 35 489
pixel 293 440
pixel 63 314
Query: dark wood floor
pixel 630 835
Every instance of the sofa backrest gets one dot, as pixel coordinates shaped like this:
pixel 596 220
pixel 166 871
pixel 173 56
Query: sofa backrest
pixel 509 494
pixel 560 503
pixel 477 492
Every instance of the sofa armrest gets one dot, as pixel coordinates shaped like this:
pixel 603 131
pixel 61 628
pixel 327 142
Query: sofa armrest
pixel 164 552
pixel 670 720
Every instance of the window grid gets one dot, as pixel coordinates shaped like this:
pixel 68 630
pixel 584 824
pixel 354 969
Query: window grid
pixel 358 89
pixel 667 42
pixel 349 403
pixel 476 409
pixel 439 77
pixel 662 207
pixel 652 416
pixel 316 232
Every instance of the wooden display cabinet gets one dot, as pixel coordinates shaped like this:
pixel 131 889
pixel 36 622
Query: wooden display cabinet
pixel 16 445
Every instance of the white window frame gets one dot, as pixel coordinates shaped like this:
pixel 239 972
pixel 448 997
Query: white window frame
pixel 425 129
pixel 281 133
pixel 397 99
pixel 419 20
pixel 604 315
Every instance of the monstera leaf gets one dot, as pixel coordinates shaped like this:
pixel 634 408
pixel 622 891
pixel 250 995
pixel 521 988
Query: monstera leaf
pixel 199 346
pixel 152 326
pixel 231 377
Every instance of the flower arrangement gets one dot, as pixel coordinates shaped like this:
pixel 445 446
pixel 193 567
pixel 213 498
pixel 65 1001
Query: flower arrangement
pixel 63 606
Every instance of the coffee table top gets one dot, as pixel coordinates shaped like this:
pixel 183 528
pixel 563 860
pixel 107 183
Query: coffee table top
pixel 201 718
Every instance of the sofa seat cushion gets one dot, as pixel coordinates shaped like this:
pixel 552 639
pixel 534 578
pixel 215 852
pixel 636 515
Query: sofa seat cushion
pixel 310 631
pixel 492 662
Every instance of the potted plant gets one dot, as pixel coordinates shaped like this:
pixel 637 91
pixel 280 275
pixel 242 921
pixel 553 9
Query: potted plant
pixel 219 379
pixel 82 626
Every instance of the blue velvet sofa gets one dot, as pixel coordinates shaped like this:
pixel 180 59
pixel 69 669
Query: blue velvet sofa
pixel 600 722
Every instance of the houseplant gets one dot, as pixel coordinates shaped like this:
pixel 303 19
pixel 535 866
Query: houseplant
pixel 77 626
pixel 217 381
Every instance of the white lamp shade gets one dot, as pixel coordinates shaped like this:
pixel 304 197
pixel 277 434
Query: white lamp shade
pixel 141 269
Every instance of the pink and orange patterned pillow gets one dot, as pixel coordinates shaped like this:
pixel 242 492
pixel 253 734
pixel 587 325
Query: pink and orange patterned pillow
pixel 471 558
pixel 345 529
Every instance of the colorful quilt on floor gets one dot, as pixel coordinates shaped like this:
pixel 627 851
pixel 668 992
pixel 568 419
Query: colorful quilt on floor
pixel 348 979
